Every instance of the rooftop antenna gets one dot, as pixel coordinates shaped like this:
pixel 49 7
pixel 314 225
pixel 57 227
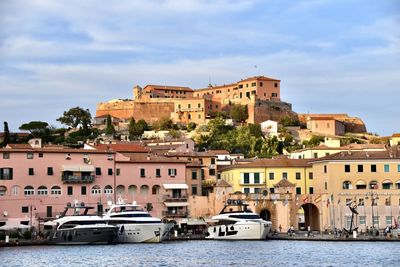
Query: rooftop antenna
pixel 209 81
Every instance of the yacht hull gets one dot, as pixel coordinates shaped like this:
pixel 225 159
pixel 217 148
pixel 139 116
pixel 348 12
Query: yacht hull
pixel 140 233
pixel 239 231
pixel 82 236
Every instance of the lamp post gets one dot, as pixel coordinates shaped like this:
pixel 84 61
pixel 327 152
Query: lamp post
pixel 374 196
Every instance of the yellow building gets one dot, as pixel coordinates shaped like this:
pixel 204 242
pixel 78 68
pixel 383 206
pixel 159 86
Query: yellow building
pixel 368 179
pixel 263 174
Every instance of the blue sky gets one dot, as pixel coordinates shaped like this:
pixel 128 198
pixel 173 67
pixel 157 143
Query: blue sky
pixel 333 56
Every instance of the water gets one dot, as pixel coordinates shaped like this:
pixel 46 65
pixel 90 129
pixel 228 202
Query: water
pixel 208 253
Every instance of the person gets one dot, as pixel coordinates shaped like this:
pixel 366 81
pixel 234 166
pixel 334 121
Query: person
pixel 308 231
pixel 280 228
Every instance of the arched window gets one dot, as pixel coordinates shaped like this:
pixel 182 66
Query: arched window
pixel 347 185
pixel 361 184
pixel 120 190
pixel 373 185
pixel 108 190
pixel 55 190
pixel 29 191
pixel 387 184
pixel 132 189
pixel 3 190
pixel 398 184
pixel 15 190
pixel 144 190
pixel 96 190
pixel 155 190
pixel 42 190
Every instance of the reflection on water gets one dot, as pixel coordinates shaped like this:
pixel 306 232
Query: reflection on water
pixel 209 253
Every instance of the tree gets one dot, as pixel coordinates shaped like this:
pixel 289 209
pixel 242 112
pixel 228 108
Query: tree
pixel 6 139
pixel 163 124
pixel 239 113
pixel 136 129
pixel 36 128
pixel 289 121
pixel 191 126
pixel 75 117
pixel 110 127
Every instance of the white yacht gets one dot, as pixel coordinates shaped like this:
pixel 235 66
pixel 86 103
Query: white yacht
pixel 134 224
pixel 79 228
pixel 236 221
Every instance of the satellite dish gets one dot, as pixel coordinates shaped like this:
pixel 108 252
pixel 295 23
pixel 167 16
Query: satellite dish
pixel 109 203
pixel 5 213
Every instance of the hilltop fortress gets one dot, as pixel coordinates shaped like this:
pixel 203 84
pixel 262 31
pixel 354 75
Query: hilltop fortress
pixel 183 104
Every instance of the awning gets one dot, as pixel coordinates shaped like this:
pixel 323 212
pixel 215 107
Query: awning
pixel 176 204
pixel 387 182
pixel 360 182
pixel 175 186
pixel 78 168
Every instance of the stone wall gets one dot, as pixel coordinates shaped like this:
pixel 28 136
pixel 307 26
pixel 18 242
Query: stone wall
pixel 262 110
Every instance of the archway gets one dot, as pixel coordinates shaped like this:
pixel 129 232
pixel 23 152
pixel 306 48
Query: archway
pixel 265 214
pixel 308 215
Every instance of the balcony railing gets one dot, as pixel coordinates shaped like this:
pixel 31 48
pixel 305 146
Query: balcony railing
pixel 77 179
pixel 178 214
pixel 189 109
pixel 169 198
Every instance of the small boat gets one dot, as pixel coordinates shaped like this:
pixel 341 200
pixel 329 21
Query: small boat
pixel 134 224
pixel 79 228
pixel 237 222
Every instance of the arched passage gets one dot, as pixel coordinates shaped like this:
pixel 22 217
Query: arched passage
pixel 309 216
pixel 265 214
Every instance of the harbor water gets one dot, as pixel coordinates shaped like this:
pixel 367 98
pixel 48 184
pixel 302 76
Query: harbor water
pixel 208 253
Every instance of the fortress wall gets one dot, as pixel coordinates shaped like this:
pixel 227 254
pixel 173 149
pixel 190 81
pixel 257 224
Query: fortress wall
pixel 262 110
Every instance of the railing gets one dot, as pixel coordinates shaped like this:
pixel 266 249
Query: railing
pixel 169 198
pixel 77 179
pixel 189 109
pixel 180 214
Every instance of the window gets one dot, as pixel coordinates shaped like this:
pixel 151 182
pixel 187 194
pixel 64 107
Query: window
pixel 25 209
pixel 40 155
pixel 326 186
pixel 98 171
pixel 108 190
pixel 375 220
pixel 315 155
pixel 327 154
pixel 96 190
pixel 189 105
pixel 311 190
pixel 347 185
pixel 42 190
pixel 194 190
pixel 6 155
pixel 310 175
pixel 360 185
pixel 256 178
pixel 110 171
pixel 276 85
pixel 388 220
pixel 194 175
pixel 387 201
pixel 298 175
pixel 29 191
pixel 346 168
pixel 118 172
pixel 328 125
pixel 373 168
pixel 199 105
pixel 246 190
pixel 158 172
pixel 386 168
pixel 15 190
pixel 3 190
pixel 284 175
pixel 29 155
pixel 274 94
pixel 6 173
pixel 257 190
pixel 30 171
pixel 50 171
pixel 155 190
pixel 246 178
pixel 362 220
pixel 325 169
pixel 211 172
pixel 387 184
pixel 360 168
pixel 83 190
pixel 261 84
pixel 298 190
pixel 271 176
pixel 199 116
pixel 55 190
pixel 272 190
pixel 142 172
pixel 360 202
pixel 70 191
pixel 213 161
pixel 398 167
pixel 253 84
pixel 373 185
pixel 172 172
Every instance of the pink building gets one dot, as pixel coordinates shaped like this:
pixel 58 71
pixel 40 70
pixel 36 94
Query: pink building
pixel 328 126
pixel 36 183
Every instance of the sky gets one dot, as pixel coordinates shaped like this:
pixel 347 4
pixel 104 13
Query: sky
pixel 332 56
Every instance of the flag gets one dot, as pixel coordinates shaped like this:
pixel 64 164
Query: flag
pixel 327 202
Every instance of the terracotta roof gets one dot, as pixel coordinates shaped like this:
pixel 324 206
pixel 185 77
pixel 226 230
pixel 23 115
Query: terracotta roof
pixel 219 152
pixel 396 135
pixel 393 153
pixel 190 154
pixel 273 163
pixel 346 147
pixel 284 183
pixel 320 118
pixel 19 146
pixel 144 158
pixel 222 183
pixel 167 87
pixel 133 148
pixel 56 150
pixel 259 78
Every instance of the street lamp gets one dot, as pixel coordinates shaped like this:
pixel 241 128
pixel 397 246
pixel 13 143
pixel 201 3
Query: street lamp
pixel 374 196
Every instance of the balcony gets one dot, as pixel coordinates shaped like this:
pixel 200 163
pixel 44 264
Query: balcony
pixel 177 214
pixel 169 198
pixel 77 179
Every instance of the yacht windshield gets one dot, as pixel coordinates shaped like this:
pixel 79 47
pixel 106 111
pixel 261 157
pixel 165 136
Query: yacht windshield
pixel 245 216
